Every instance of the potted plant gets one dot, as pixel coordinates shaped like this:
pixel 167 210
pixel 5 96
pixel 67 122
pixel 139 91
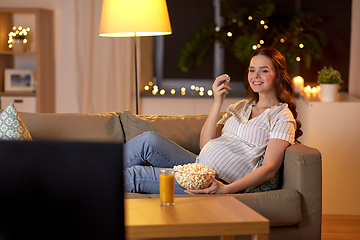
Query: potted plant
pixel 17 38
pixel 329 80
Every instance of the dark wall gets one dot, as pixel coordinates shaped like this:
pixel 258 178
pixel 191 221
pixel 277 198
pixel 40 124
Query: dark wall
pixel 337 26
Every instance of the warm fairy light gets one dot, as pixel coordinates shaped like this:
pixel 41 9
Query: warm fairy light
pixel 18 33
pixel 234 20
pixel 155 90
pixel 250 18
pixel 282 40
pixel 261 42
pixel 301 45
pixel 217 29
pixel 266 26
pixel 313 90
pixel 262 22
pixel 229 34
pixel 298 59
pixel 150 84
pixel 258 45
pixel 254 47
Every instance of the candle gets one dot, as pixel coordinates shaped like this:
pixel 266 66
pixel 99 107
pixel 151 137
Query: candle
pixel 298 84
pixel 307 90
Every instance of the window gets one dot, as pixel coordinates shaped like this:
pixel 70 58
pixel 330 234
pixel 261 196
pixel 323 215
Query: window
pixel 187 16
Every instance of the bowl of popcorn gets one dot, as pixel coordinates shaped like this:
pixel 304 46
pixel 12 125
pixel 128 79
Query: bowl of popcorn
pixel 193 176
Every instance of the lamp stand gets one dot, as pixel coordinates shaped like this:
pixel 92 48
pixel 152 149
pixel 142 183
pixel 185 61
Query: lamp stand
pixel 136 78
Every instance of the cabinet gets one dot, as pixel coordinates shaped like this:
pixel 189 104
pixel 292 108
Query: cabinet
pixel 38 55
pixel 333 128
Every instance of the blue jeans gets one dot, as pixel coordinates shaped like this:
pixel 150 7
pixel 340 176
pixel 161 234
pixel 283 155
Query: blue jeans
pixel 159 152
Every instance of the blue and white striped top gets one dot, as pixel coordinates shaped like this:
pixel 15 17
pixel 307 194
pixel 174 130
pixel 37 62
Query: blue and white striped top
pixel 238 150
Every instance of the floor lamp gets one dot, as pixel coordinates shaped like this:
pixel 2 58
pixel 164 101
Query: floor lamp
pixel 134 18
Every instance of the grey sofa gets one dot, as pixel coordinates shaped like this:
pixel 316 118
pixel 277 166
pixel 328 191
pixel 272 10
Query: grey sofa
pixel 294 211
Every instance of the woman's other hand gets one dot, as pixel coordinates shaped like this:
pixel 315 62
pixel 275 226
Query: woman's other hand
pixel 220 88
pixel 216 187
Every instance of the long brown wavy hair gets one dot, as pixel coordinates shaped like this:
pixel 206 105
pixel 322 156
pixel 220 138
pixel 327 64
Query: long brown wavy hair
pixel 284 90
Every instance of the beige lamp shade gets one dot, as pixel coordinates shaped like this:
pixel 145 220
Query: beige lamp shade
pixel 128 18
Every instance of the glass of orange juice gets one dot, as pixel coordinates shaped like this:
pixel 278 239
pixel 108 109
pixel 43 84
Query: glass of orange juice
pixel 167 186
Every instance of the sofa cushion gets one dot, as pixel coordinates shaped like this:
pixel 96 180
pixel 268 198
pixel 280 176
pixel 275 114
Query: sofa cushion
pixel 281 207
pixel 11 125
pixel 102 127
pixel 183 130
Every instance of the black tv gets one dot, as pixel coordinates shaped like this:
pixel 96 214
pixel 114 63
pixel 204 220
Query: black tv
pixel 61 190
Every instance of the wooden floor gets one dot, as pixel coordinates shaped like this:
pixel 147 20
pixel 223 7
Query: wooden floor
pixel 339 227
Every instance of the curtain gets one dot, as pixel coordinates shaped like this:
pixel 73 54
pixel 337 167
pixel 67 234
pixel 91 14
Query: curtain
pixel 105 66
pixel 354 70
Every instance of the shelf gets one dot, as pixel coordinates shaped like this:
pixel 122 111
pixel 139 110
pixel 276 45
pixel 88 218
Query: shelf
pixel 17 93
pixel 39 55
pixel 17 53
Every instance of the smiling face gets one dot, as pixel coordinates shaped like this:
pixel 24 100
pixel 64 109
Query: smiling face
pixel 262 74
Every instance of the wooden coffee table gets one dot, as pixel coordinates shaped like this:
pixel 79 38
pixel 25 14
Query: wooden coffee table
pixel 222 216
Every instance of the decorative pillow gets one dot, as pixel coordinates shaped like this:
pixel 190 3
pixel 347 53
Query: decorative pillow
pixel 183 130
pixel 11 125
pixel 269 185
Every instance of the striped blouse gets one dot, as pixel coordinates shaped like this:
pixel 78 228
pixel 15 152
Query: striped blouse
pixel 238 150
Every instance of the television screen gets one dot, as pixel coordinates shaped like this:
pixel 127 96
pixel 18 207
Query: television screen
pixel 61 190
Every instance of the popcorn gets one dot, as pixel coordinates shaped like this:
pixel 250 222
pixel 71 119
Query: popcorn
pixel 193 176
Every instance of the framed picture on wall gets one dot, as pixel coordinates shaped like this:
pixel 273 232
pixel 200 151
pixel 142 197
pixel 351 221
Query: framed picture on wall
pixel 19 80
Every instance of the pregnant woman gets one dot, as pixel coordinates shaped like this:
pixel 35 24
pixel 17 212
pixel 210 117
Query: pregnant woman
pixel 233 146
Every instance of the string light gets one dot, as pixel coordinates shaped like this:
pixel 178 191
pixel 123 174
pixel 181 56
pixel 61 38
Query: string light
pixel 301 45
pixel 262 22
pixel 18 33
pixel 298 59
pixel 229 34
pixel 200 90
pixel 250 18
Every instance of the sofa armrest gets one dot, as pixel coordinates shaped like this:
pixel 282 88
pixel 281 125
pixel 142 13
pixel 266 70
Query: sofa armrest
pixel 303 172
